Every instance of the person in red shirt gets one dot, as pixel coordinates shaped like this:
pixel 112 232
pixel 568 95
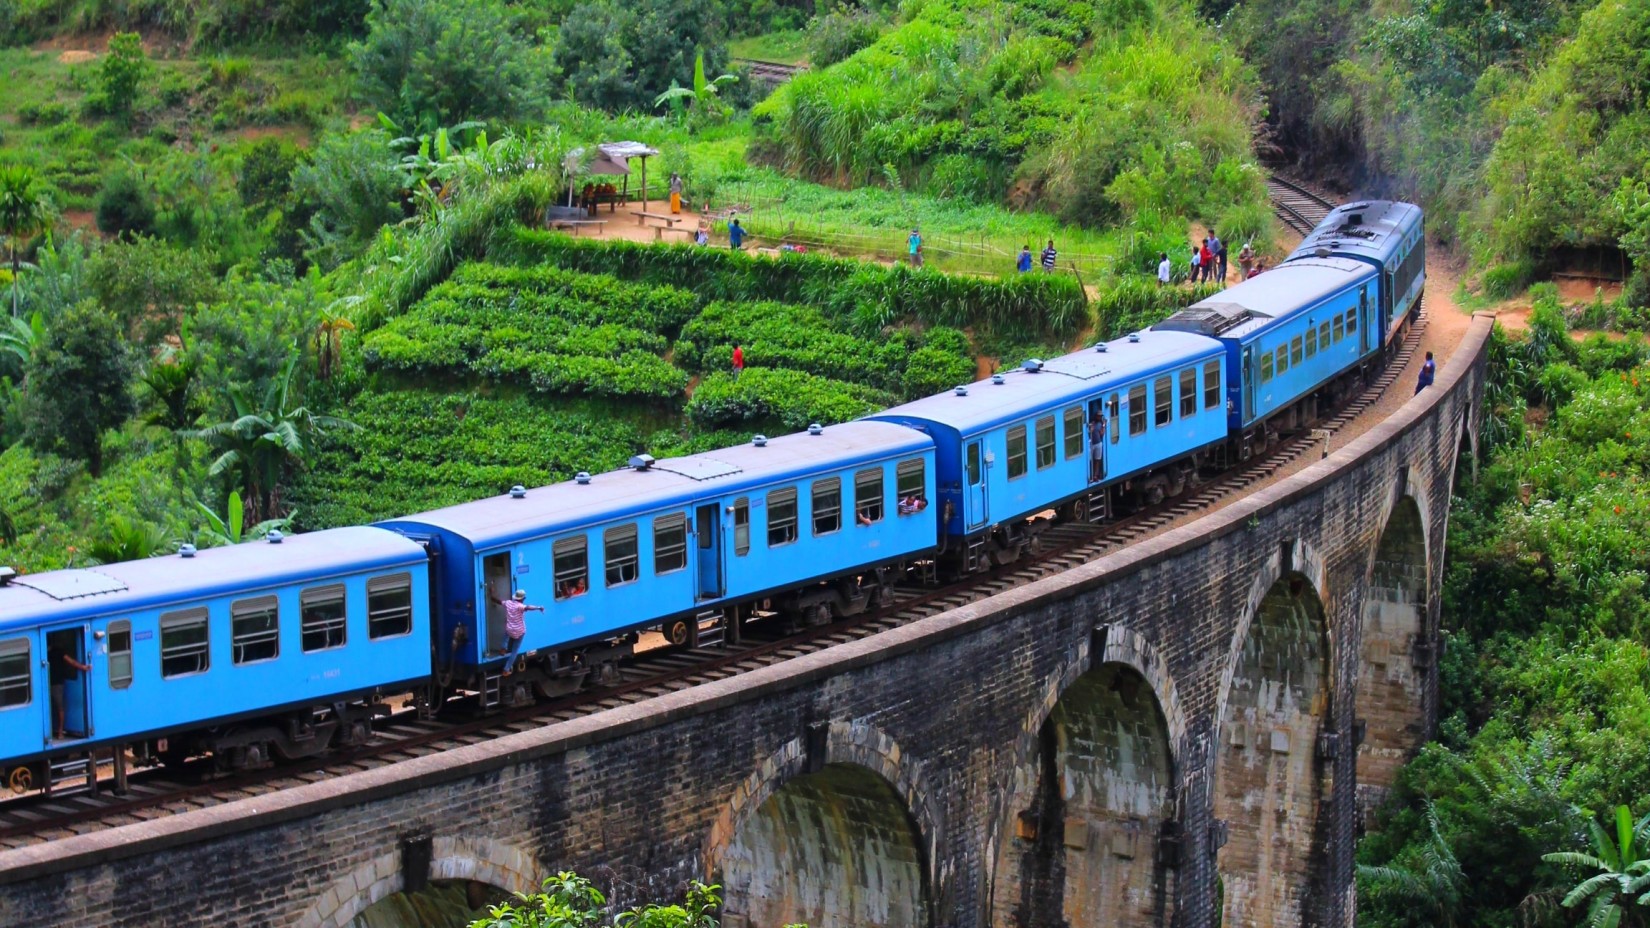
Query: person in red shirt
pixel 738 361
pixel 1208 258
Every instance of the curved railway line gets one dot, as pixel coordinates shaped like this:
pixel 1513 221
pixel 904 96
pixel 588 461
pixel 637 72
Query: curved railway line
pixel 161 792
pixel 1299 208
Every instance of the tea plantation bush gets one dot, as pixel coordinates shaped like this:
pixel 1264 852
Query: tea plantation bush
pixel 801 338
pixel 779 400
pixel 1028 305
pixel 1138 302
pixel 420 449
pixel 539 328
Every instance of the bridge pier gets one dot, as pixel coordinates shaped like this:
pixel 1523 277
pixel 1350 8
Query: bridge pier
pixel 1152 738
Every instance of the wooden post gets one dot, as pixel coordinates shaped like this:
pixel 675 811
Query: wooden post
pixel 644 183
pixel 120 770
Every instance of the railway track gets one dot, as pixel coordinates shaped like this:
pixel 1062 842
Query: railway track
pixel 1299 208
pixel 161 792
pixel 773 72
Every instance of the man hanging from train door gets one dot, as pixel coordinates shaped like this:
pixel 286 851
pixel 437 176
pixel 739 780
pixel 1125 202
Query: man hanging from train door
pixel 1097 442
pixel 65 669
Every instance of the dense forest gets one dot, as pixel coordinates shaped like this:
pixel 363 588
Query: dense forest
pixel 282 265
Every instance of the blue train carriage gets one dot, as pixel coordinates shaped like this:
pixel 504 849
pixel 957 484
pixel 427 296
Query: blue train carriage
pixel 814 525
pixel 1388 235
pixel 270 648
pixel 1023 443
pixel 1298 339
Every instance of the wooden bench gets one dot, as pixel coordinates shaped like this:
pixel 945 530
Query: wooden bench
pixel 574 224
pixel 666 218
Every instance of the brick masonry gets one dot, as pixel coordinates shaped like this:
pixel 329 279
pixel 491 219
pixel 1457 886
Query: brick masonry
pixel 1127 742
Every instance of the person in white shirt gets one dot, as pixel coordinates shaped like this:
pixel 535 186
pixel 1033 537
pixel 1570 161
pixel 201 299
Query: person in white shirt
pixel 1163 269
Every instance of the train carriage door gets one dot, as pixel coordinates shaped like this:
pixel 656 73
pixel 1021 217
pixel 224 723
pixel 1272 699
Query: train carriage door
pixel 708 529
pixel 495 585
pixel 1363 320
pixel 69 687
pixel 976 501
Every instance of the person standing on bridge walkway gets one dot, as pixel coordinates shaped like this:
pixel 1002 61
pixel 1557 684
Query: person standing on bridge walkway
pixel 515 626
pixel 1428 371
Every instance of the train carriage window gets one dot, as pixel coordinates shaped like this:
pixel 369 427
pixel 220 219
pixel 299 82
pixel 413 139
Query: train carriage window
pixel 827 496
pixel 1266 367
pixel 911 485
pixel 781 517
pixel 16 688
pixel 1295 351
pixel 184 645
pixel 1074 432
pixel 120 654
pixel 1340 327
pixel 669 543
pixel 1045 442
pixel 1188 392
pixel 389 606
pixel 868 507
pixel 1283 360
pixel 255 630
pixel 1311 341
pixel 1323 336
pixel 570 566
pixel 1016 452
pixel 1116 425
pixel 322 617
pixel 1137 410
pixel 1351 321
pixel 741 526
pixel 1211 385
pixel 621 561
pixel 1163 395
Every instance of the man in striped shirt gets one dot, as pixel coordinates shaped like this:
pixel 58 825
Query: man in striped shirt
pixel 1049 254
pixel 515 625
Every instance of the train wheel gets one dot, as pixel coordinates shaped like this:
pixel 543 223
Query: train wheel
pixel 21 780
pixel 677 632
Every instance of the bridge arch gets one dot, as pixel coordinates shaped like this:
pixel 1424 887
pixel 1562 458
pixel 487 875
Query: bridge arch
pixel 837 831
pixel 1395 641
pixel 1269 780
pixel 482 860
pixel 1095 795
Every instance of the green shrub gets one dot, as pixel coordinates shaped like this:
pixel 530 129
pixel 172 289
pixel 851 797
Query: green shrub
pixel 49 113
pixel 935 369
pixel 871 295
pixel 1509 278
pixel 125 207
pixel 838 34
pixel 789 400
pixel 1137 302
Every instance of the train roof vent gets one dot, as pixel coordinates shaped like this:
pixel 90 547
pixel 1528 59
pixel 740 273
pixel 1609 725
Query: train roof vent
pixel 1134 337
pixel 582 478
pixel 998 379
pixel 641 461
pixel 274 537
pixel 1032 365
pixel 186 550
pixel 760 441
pixel 1101 347
pixel 1209 318
pixel 72 584
pixel 960 390
pixel 7 574
pixel 816 429
pixel 518 492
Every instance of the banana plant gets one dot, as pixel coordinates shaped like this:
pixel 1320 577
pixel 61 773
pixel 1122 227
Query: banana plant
pixel 227 529
pixel 1618 895
pixel 702 96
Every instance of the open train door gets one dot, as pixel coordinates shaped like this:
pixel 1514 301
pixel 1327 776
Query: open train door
pixel 69 688
pixel 708 529
pixel 975 505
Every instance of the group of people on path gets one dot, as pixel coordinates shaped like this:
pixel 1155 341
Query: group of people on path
pixel 1046 260
pixel 1208 262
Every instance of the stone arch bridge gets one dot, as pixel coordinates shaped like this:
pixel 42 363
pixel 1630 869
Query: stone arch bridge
pixel 1184 733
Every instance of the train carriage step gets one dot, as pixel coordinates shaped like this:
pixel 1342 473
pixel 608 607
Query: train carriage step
pixel 492 691
pixel 710 629
pixel 71 774
pixel 1099 506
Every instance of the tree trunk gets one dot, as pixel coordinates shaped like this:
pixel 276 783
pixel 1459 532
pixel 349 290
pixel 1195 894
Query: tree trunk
pixel 16 291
